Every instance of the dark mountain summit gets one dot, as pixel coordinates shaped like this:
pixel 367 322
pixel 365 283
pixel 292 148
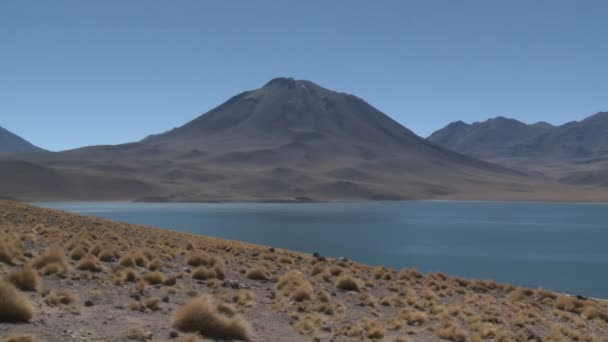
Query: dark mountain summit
pixel 288 112
pixel 289 140
pixel 11 143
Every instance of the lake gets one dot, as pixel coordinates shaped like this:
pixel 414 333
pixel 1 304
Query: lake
pixel 557 246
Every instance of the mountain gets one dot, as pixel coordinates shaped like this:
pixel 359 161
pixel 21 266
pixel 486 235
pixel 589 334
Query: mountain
pixel 290 140
pixel 12 143
pixel 575 152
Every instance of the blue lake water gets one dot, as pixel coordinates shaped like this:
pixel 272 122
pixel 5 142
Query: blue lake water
pixel 558 246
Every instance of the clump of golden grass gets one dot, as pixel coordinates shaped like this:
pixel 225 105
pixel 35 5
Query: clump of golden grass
pixel 244 298
pixel 106 255
pixel 25 278
pixel 546 294
pixel 51 261
pixel 10 248
pixel 569 304
pixel 153 303
pixel 204 273
pixel 126 275
pixel 20 337
pixel 61 297
pixel 77 253
pixel 366 328
pixel 198 259
pixel 139 334
pixel 307 324
pixel 294 285
pixel 415 317
pixel 591 312
pixel 316 269
pixel 519 294
pixel 155 265
pixel 14 307
pixel 409 274
pixel 189 338
pixel 126 261
pixel 89 263
pixel 212 320
pixel 257 273
pixel 348 283
pixel 154 278
pixel 449 331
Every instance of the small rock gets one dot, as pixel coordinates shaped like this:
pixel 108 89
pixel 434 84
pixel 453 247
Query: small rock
pixel 271 249
pixel 173 334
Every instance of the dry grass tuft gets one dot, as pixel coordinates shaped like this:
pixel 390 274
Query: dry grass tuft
pixel 448 331
pixel 592 312
pixel 14 307
pixel 348 283
pixel 89 263
pixel 569 304
pixel 20 337
pixel 50 262
pixel 106 255
pixel 77 253
pixel 154 278
pixel 204 273
pixel 257 273
pixel 190 338
pixel 211 320
pixel 10 248
pixel 25 278
pixel 61 297
pixel 294 285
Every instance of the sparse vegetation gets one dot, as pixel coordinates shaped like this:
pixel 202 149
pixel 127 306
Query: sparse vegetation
pixel 118 268
pixel 24 278
pixel 257 273
pixel 211 320
pixel 50 262
pixel 89 263
pixel 20 337
pixel 348 283
pixel 14 307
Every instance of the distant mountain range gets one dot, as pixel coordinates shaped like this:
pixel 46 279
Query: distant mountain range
pixel 12 143
pixel 290 140
pixel 575 152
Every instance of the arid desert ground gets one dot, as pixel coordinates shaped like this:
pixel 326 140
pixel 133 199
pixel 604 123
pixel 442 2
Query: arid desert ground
pixel 74 278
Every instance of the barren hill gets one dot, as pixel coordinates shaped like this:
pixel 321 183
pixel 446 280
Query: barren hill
pixel 575 152
pixel 289 140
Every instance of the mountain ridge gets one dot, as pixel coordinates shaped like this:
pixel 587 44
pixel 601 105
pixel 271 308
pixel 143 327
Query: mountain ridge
pixel 575 152
pixel 289 140
pixel 12 143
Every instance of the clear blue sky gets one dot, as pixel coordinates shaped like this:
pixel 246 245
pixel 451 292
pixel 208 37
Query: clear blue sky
pixel 75 73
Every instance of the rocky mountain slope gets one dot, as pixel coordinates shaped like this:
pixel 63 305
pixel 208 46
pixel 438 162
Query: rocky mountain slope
pixel 12 143
pixel 289 140
pixel 575 152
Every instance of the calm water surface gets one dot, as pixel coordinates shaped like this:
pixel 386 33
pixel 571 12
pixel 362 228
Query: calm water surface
pixel 558 246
